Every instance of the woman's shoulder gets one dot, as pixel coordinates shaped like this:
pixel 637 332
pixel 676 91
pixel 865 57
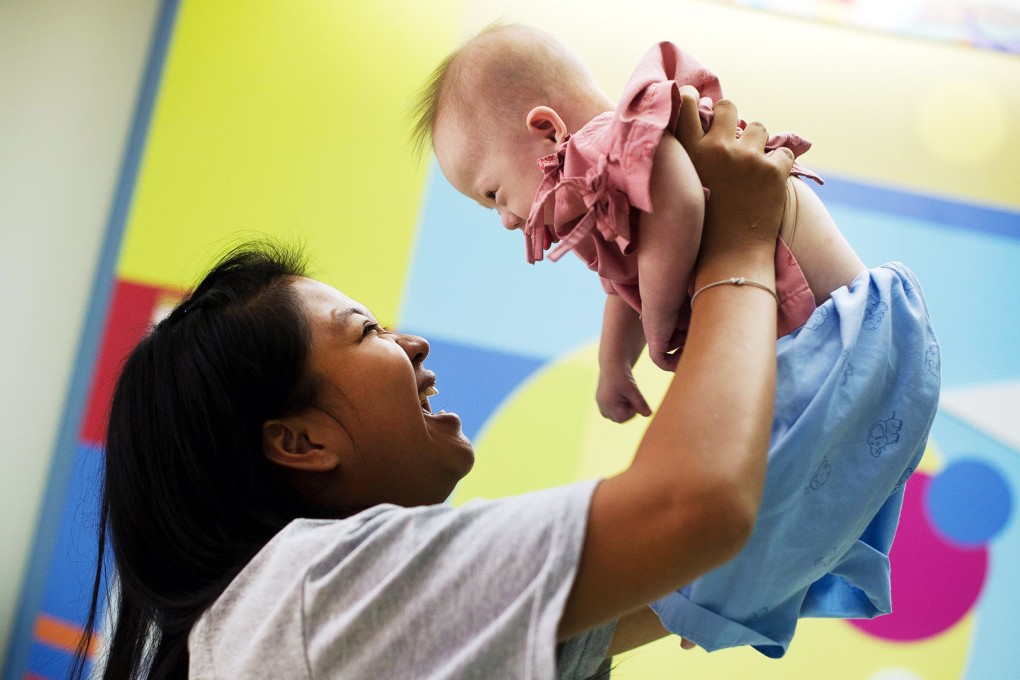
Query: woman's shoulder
pixel 321 589
pixel 398 529
pixel 309 550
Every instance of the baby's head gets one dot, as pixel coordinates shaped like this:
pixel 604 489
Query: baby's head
pixel 503 100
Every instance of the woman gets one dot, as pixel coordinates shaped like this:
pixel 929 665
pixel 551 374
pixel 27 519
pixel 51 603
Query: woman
pixel 275 478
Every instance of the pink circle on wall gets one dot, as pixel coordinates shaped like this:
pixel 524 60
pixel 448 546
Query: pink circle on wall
pixel 934 583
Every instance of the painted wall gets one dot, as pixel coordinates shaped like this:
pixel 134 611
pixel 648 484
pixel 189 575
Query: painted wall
pixel 293 123
pixel 69 76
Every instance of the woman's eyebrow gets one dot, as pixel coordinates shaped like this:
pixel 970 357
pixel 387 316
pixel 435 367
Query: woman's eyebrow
pixel 342 316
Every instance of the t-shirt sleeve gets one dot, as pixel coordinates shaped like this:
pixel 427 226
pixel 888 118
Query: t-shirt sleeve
pixel 443 592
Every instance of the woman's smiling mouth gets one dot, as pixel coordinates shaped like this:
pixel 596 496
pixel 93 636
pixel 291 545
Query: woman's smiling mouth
pixel 423 397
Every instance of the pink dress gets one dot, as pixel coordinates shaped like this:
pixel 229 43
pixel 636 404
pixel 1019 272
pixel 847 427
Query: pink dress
pixel 597 184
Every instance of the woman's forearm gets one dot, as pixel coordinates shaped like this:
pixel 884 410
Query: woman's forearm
pixel 712 429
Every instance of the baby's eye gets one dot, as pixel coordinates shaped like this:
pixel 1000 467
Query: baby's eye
pixel 491 195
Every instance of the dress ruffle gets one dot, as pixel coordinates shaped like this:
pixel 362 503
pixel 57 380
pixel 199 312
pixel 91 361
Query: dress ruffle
pixel 601 207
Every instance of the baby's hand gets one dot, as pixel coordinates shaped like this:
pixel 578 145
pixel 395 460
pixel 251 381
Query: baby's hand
pixel 618 395
pixel 663 339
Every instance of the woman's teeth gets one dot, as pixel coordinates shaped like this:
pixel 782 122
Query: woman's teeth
pixel 423 397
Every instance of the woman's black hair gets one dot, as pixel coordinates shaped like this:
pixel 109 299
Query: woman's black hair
pixel 188 496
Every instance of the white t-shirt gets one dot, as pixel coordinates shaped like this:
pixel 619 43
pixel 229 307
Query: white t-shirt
pixel 432 592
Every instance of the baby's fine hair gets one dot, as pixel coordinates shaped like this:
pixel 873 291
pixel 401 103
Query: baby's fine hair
pixel 502 70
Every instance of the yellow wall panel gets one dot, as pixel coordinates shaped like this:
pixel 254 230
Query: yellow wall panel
pixel 291 123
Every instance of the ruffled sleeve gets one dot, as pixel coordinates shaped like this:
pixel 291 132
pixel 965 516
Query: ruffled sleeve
pixel 576 199
pixel 650 105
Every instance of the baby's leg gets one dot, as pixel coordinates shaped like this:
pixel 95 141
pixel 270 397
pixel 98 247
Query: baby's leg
pixel 825 257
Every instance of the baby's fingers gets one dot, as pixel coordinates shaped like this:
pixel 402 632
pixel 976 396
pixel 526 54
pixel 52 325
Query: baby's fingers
pixel 619 411
pixel 663 358
pixel 663 340
pixel 637 401
pixel 614 405
pixel 619 399
pixel 661 355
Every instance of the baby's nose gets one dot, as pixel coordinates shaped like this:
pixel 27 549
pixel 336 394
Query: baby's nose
pixel 510 220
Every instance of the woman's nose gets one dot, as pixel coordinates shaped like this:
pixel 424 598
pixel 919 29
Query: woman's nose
pixel 417 347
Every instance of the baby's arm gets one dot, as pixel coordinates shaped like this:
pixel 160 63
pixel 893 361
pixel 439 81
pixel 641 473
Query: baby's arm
pixel 668 242
pixel 825 257
pixel 622 340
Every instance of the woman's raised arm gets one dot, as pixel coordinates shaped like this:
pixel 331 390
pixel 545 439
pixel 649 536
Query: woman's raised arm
pixel 688 501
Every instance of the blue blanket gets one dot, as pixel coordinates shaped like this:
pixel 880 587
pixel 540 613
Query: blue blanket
pixel 857 390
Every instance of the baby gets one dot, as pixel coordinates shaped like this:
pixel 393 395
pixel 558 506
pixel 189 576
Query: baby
pixel 518 124
pixel 515 113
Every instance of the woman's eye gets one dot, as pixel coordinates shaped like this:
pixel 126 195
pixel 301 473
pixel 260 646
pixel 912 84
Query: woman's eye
pixel 369 327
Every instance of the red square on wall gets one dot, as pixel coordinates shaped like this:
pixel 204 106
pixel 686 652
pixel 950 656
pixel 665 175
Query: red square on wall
pixel 133 310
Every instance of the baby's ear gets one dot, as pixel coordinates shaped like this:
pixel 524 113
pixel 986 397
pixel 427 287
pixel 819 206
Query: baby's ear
pixel 545 123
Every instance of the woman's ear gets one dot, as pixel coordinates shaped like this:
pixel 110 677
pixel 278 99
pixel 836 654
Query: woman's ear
pixel 546 124
pixel 300 443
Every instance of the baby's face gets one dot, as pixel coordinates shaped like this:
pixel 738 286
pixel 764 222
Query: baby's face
pixel 499 171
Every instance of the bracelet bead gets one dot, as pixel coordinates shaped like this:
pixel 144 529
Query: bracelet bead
pixel 734 281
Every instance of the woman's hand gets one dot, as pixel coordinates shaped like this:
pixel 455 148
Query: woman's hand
pixel 734 169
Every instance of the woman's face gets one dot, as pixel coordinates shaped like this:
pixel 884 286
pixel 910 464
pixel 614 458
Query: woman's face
pixel 375 389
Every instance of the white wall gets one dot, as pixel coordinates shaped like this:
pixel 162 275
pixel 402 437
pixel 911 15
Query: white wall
pixel 70 72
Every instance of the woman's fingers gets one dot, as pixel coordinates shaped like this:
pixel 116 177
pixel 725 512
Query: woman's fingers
pixel 755 134
pixel 724 119
pixel 783 159
pixel 748 184
pixel 688 125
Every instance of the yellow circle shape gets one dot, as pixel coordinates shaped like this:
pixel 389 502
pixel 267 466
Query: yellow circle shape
pixel 549 430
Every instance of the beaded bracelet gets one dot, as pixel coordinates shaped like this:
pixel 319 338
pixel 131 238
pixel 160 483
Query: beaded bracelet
pixel 735 281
